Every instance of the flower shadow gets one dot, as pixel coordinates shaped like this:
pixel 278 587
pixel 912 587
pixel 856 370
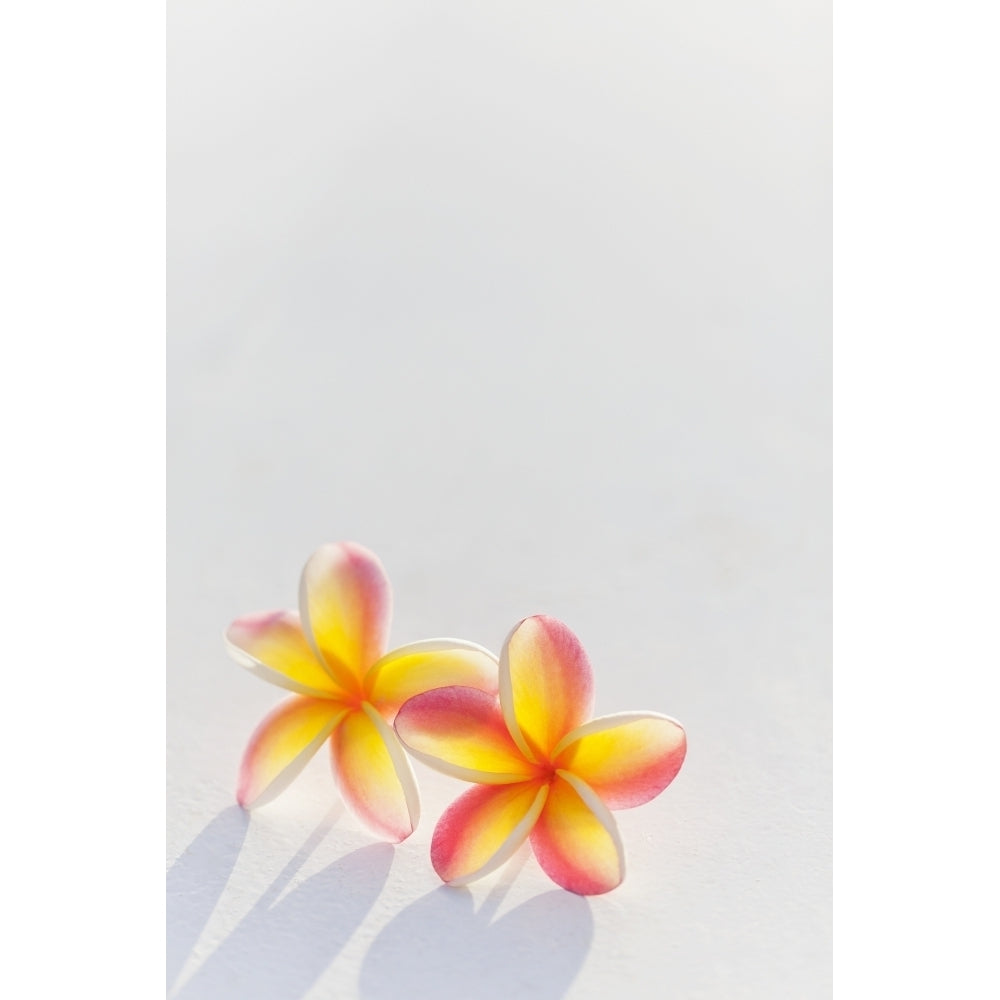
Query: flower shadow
pixel 534 952
pixel 195 883
pixel 283 945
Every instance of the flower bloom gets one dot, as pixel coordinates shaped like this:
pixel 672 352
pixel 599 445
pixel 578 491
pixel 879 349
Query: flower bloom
pixel 542 770
pixel 332 654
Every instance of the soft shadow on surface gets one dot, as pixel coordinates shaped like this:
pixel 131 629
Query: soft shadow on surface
pixel 195 882
pixel 534 952
pixel 281 947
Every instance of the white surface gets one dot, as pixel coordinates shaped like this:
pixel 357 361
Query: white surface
pixel 532 300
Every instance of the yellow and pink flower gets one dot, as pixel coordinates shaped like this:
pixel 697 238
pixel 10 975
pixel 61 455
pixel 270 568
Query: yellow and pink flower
pixel 542 769
pixel 332 654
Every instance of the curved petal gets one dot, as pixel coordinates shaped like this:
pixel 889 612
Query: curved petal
pixel 424 666
pixel 272 645
pixel 282 745
pixel 546 684
pixel 460 731
pixel 627 759
pixel 346 606
pixel 576 839
pixel 483 828
pixel 374 776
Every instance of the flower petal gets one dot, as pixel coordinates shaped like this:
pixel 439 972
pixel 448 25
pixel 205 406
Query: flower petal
pixel 576 839
pixel 483 828
pixel 282 745
pixel 272 645
pixel 460 731
pixel 627 759
pixel 424 666
pixel 346 605
pixel 546 684
pixel 374 776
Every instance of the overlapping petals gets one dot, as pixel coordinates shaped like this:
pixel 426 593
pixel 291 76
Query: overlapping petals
pixel 423 666
pixel 542 770
pixel 462 732
pixel 332 654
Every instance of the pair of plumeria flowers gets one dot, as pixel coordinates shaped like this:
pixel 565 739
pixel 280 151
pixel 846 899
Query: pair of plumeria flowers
pixel 519 727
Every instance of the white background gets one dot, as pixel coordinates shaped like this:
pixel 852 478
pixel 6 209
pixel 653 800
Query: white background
pixel 533 300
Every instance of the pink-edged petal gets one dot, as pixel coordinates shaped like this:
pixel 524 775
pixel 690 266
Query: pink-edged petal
pixel 627 759
pixel 374 776
pixel 576 839
pixel 282 745
pixel 346 606
pixel 460 731
pixel 483 828
pixel 273 646
pixel 424 666
pixel 546 684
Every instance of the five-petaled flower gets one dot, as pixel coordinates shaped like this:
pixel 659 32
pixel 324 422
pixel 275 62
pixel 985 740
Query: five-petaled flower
pixel 542 770
pixel 332 653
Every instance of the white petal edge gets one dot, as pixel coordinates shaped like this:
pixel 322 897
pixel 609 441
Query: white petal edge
pixel 507 697
pixel 294 769
pixel 401 763
pixel 605 722
pixel 514 840
pixel 272 676
pixel 593 802
pixel 347 681
pixel 464 773
pixel 424 646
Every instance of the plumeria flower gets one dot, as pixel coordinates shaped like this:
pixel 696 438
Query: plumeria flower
pixel 332 654
pixel 542 770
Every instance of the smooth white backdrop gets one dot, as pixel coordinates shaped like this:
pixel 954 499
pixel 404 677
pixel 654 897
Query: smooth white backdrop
pixel 533 300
